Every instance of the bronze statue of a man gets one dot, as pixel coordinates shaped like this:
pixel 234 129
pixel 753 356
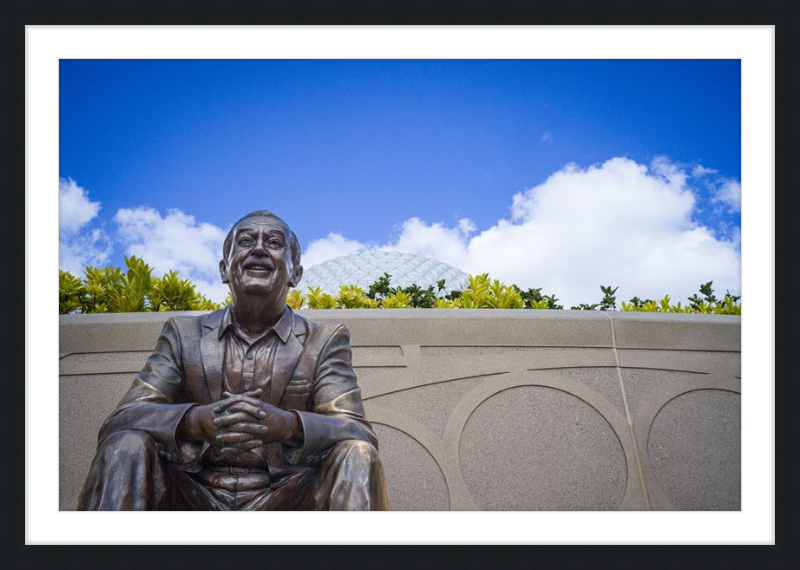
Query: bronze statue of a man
pixel 248 408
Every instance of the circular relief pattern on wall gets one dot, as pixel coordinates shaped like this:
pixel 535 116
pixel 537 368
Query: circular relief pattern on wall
pixel 413 479
pixel 536 448
pixel 695 447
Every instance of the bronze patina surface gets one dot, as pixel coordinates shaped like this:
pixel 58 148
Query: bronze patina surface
pixel 251 407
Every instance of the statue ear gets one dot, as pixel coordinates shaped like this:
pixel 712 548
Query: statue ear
pixel 297 275
pixel 223 271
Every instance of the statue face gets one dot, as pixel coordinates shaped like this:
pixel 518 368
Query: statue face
pixel 259 261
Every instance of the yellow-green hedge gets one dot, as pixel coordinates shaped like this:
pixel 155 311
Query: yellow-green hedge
pixel 112 290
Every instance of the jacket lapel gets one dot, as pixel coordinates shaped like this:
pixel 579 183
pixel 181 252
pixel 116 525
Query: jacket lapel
pixel 285 363
pixel 212 349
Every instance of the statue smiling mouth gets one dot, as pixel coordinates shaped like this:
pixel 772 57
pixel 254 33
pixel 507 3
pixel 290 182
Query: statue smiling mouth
pixel 258 267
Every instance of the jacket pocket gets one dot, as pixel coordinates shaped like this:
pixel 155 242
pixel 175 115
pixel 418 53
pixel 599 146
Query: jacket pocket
pixel 295 400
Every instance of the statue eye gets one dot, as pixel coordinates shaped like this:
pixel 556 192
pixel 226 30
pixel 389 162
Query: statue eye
pixel 276 243
pixel 246 240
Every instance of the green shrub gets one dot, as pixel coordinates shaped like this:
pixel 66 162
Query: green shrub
pixel 706 305
pixel 295 299
pixel 70 293
pixel 534 299
pixel 171 293
pixel 443 303
pixel 353 297
pixel 504 296
pixel 418 297
pixel 397 300
pixel 475 296
pixel 380 288
pixel 110 290
pixel 318 299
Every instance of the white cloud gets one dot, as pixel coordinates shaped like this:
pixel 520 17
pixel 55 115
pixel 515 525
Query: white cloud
pixel 74 207
pixel 415 236
pixel 729 193
pixel 79 249
pixel 699 170
pixel 332 246
pixel 669 171
pixel 619 223
pixel 436 240
pixel 547 137
pixel 175 241
pixel 78 244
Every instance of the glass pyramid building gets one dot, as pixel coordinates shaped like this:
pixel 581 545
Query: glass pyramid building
pixel 364 269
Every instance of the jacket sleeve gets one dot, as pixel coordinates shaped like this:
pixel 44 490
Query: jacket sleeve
pixel 152 403
pixel 337 411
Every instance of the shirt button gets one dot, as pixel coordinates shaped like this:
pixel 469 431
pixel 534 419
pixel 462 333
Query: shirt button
pixel 247 386
pixel 249 357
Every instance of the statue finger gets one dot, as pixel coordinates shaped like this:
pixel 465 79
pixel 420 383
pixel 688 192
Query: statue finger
pixel 249 427
pixel 247 400
pixel 234 449
pixel 225 404
pixel 248 408
pixel 230 419
pixel 231 399
pixel 250 445
pixel 232 437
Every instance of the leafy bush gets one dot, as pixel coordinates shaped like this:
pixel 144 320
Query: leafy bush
pixel 397 300
pixel 70 293
pixel 534 299
pixel 318 299
pixel 484 293
pixel 706 305
pixel 171 293
pixel 353 297
pixel 110 290
pixel 295 299
pixel 475 296
pixel 418 297
pixel 444 303
pixel 380 288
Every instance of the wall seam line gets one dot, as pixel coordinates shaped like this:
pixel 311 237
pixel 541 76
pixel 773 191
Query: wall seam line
pixel 628 417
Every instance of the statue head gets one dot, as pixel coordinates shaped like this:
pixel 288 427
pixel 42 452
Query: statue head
pixel 261 257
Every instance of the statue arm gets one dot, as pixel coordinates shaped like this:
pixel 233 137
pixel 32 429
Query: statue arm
pixel 337 411
pixel 152 403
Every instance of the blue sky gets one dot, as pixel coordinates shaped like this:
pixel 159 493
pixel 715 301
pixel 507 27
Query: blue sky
pixel 423 156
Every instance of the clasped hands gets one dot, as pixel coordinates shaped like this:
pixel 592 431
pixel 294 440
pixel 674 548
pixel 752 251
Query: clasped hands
pixel 243 422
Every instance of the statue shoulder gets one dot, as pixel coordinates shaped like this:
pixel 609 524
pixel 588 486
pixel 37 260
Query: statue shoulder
pixel 191 326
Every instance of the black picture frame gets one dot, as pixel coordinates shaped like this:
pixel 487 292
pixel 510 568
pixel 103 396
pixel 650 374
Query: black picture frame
pixel 784 15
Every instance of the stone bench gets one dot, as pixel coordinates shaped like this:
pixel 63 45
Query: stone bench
pixel 493 409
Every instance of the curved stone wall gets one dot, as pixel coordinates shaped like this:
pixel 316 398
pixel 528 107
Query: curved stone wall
pixel 494 409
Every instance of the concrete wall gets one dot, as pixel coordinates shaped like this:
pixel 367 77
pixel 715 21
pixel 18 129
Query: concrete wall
pixel 493 409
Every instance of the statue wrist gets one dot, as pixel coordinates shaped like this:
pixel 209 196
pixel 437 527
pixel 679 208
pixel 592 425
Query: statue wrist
pixel 192 425
pixel 294 429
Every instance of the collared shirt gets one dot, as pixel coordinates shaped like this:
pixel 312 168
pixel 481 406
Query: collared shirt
pixel 249 360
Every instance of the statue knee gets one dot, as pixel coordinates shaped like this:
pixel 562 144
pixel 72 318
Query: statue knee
pixel 129 443
pixel 352 479
pixel 126 474
pixel 356 450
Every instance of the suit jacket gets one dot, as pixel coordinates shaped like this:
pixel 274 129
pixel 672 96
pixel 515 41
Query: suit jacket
pixel 312 374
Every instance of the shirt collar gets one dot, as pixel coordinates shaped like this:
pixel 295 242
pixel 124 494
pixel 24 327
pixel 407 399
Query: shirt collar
pixel 282 328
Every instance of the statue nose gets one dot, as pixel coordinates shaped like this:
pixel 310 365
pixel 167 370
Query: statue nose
pixel 260 247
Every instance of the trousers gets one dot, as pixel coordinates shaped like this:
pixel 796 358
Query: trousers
pixel 129 474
